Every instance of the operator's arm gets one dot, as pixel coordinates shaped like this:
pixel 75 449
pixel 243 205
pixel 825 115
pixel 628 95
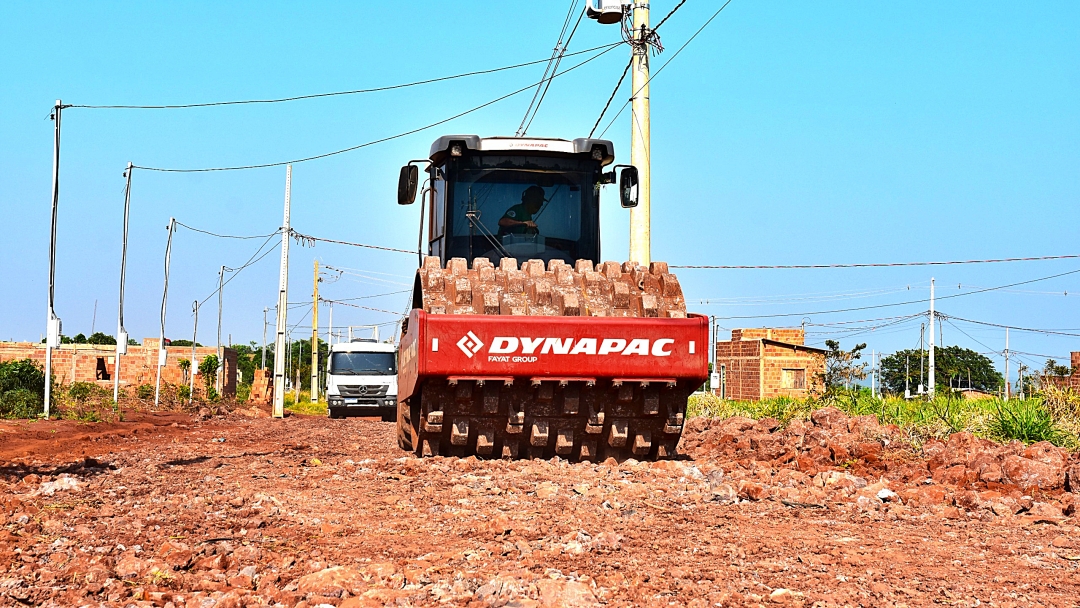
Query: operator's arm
pixel 508 222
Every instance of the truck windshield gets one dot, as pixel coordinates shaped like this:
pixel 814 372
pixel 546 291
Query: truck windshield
pixel 363 364
pixel 522 207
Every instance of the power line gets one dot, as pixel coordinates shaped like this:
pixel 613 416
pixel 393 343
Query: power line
pixel 304 237
pixel 374 141
pixel 236 271
pixel 547 68
pixel 1012 327
pixel 657 73
pixel 956 295
pixel 333 94
pixel 880 264
pixel 378 295
pixel 668 16
pixel 227 236
pixel 613 93
pixel 389 312
pixel 547 86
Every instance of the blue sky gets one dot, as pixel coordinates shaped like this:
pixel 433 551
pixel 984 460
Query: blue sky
pixel 786 133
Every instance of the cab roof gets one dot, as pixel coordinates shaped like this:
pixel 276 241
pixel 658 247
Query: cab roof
pixel 583 145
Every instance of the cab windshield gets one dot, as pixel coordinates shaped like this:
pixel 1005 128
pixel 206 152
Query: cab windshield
pixel 363 364
pixel 522 207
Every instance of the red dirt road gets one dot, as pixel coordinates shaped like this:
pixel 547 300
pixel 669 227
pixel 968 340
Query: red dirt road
pixel 309 511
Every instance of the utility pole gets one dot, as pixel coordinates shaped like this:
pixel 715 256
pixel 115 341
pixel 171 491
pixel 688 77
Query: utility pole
pixel 282 305
pixel 907 380
pixel 162 353
pixel 330 329
pixel 299 358
pixel 53 326
pixel 1020 380
pixel 217 372
pixel 1008 391
pixel 263 364
pixel 930 365
pixel 640 228
pixel 315 339
pixel 194 362
pixel 121 333
pixel 873 373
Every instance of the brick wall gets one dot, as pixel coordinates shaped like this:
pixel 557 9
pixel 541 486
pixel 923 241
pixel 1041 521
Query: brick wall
pixel 742 362
pixel 777 358
pixel 753 369
pixel 97 363
pixel 790 335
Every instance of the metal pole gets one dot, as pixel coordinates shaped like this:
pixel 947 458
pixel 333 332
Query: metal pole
pixel 217 372
pixel 922 334
pixel 930 363
pixel 282 305
pixel 640 231
pixel 315 339
pixel 907 379
pixel 263 364
pixel 162 353
pixel 121 333
pixel 1008 389
pixel 194 363
pixel 53 326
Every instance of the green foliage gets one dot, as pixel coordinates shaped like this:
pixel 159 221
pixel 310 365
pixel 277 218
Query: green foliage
pixel 211 393
pixel 1028 421
pixel 81 391
pixel 185 364
pixel 183 392
pixel 208 368
pixel 304 405
pixel 243 391
pixel 21 403
pixel 183 343
pixel 100 338
pixel 954 365
pixel 22 373
pixel 79 339
pixel 144 391
pixel 842 367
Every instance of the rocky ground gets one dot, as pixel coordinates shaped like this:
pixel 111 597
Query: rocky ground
pixel 169 510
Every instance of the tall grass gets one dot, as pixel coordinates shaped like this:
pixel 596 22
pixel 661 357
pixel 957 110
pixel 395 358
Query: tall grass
pixel 1052 416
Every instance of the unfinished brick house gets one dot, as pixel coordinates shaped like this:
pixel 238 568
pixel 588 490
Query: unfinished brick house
pixel 1073 380
pixel 97 363
pixel 768 362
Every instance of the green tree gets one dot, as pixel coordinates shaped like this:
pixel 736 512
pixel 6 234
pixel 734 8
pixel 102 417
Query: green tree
pixel 842 367
pixel 22 389
pixel 100 338
pixel 208 368
pixel 183 343
pixel 956 367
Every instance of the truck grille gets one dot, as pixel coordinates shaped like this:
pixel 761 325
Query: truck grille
pixel 373 390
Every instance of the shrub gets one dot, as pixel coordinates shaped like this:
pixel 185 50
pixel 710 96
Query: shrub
pixel 22 373
pixel 81 391
pixel 183 392
pixel 243 392
pixel 1027 421
pixel 145 391
pixel 21 403
pixel 211 393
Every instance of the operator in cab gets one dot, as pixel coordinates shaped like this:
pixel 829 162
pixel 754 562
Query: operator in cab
pixel 519 218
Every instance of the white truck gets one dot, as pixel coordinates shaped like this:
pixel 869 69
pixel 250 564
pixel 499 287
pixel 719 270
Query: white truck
pixel 361 379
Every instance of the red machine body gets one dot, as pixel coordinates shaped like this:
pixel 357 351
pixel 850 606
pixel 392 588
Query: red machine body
pixel 564 349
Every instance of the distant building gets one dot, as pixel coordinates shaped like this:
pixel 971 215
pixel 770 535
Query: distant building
pixel 97 363
pixel 1071 381
pixel 763 362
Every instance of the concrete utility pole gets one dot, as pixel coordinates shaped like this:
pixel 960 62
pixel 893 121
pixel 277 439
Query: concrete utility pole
pixel 873 373
pixel 922 376
pixel 1008 389
pixel 282 305
pixel 330 329
pixel 121 333
pixel 640 228
pixel 52 324
pixel 194 362
pixel 315 339
pixel 162 353
pixel 217 372
pixel 263 365
pixel 930 364
pixel 299 358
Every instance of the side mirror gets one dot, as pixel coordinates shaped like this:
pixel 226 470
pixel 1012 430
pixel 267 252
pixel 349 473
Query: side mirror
pixel 406 186
pixel 628 187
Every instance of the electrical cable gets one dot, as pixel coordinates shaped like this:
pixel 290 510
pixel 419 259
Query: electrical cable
pixel 547 69
pixel 389 312
pixel 668 16
pixel 304 237
pixel 378 295
pixel 558 61
pixel 374 141
pixel 333 94
pixel 879 264
pixel 236 271
pixel 1052 332
pixel 657 73
pixel 227 236
pixel 956 295
pixel 613 93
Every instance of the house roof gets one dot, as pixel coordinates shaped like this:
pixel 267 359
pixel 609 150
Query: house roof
pixel 795 346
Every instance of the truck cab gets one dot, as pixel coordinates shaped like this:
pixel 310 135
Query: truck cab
pixel 361 379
